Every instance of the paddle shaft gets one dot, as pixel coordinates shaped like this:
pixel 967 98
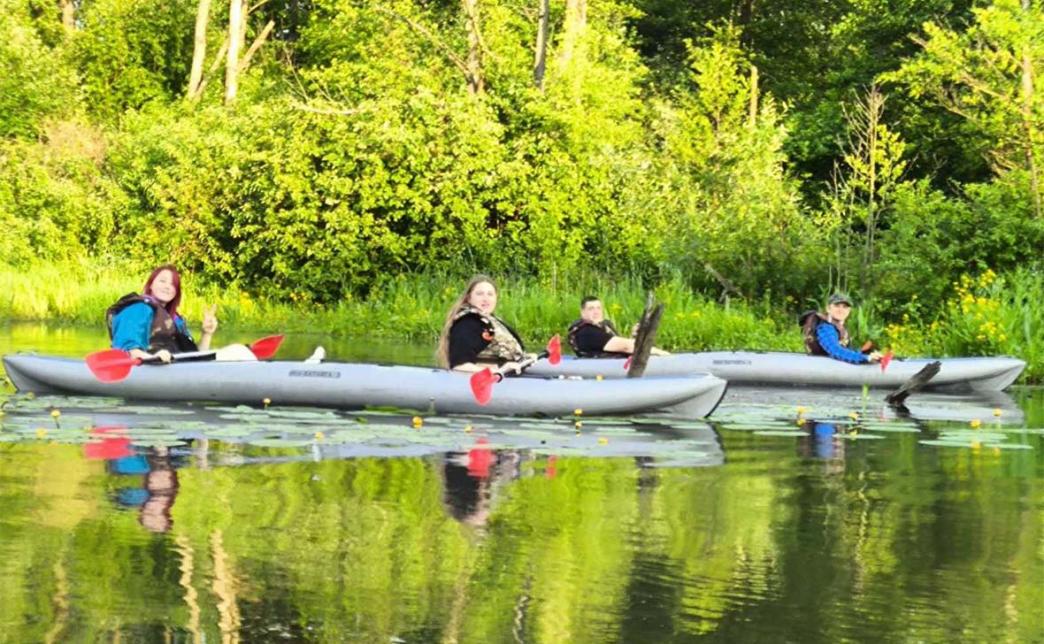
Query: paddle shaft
pixel 528 362
pixel 113 365
pixel 643 343
pixel 183 357
pixel 916 381
pixel 482 381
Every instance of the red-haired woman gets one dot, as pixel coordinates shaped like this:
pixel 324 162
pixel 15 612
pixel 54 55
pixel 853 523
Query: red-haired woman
pixel 149 324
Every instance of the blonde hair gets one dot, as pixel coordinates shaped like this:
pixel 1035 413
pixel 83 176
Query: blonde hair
pixel 442 352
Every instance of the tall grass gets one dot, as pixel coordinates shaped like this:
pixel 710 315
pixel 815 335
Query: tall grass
pixel 412 306
pixel 987 314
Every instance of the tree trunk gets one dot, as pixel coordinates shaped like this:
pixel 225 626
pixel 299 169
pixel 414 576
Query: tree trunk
pixel 474 61
pixel 875 108
pixel 68 15
pixel 260 40
pixel 244 22
pixel 215 65
pixel 752 116
pixel 1027 92
pixel 541 44
pixel 575 24
pixel 746 15
pixel 235 29
pixel 199 50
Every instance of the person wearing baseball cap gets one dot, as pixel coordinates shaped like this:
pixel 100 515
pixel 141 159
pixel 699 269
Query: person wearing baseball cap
pixel 826 335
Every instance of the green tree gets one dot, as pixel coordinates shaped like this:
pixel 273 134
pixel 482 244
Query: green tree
pixel 36 83
pixel 734 203
pixel 986 75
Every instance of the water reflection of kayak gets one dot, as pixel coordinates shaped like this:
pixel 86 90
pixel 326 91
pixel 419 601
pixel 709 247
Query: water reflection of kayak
pixel 354 386
pixel 796 369
pixel 986 407
pixel 112 430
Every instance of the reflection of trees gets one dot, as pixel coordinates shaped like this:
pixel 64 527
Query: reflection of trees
pixel 556 561
pixel 913 543
pixel 714 532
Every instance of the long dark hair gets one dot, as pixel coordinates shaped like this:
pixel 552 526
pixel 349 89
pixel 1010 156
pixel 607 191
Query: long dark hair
pixel 175 278
pixel 442 353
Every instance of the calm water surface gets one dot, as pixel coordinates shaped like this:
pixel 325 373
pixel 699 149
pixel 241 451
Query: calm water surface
pixel 795 516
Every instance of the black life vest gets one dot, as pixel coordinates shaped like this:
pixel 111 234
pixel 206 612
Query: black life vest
pixel 163 334
pixel 504 344
pixel 810 321
pixel 604 325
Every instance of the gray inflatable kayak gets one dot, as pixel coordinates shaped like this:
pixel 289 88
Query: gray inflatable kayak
pixel 797 369
pixel 354 386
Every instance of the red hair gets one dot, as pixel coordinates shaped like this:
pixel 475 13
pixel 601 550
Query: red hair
pixel 175 278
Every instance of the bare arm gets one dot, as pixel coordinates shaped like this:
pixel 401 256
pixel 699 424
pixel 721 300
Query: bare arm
pixel 471 367
pixel 616 344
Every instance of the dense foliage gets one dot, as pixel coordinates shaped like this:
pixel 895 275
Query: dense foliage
pixel 756 151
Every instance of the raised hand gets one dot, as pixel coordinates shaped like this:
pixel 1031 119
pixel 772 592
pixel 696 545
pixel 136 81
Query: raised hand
pixel 210 321
pixel 210 324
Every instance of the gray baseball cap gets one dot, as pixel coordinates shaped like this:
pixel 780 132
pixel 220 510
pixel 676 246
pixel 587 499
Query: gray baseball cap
pixel 839 298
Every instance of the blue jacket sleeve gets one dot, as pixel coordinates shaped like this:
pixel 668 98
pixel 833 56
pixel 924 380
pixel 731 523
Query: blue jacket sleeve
pixel 131 327
pixel 828 339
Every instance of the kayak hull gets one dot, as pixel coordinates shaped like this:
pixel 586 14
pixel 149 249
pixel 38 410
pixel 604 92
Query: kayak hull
pixel 356 385
pixel 796 369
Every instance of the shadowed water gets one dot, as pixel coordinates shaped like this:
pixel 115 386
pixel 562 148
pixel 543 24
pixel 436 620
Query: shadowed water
pixel 802 516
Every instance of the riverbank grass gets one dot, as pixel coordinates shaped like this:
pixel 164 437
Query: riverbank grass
pixel 987 314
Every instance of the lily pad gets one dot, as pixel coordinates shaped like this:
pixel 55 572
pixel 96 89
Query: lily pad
pixel 973 444
pixel 279 442
pixel 755 427
pixel 895 428
pixel 158 442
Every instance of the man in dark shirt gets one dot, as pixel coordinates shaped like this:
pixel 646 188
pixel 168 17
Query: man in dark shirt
pixel 593 336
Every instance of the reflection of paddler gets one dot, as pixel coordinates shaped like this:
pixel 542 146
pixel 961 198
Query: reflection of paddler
pixel 822 441
pixel 160 479
pixel 470 481
pixel 161 482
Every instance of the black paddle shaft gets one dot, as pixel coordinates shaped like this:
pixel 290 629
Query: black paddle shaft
pixel 643 342
pixel 916 381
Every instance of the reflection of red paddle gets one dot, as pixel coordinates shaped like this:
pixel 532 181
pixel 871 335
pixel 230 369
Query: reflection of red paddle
pixel 482 382
pixel 885 359
pixel 113 365
pixel 480 459
pixel 113 444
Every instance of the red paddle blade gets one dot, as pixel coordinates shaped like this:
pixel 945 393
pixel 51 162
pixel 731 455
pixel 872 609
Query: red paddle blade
pixel 111 365
pixel 554 350
pixel 885 359
pixel 482 385
pixel 266 347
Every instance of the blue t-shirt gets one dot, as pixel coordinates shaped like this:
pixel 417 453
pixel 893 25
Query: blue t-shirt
pixel 831 342
pixel 132 327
